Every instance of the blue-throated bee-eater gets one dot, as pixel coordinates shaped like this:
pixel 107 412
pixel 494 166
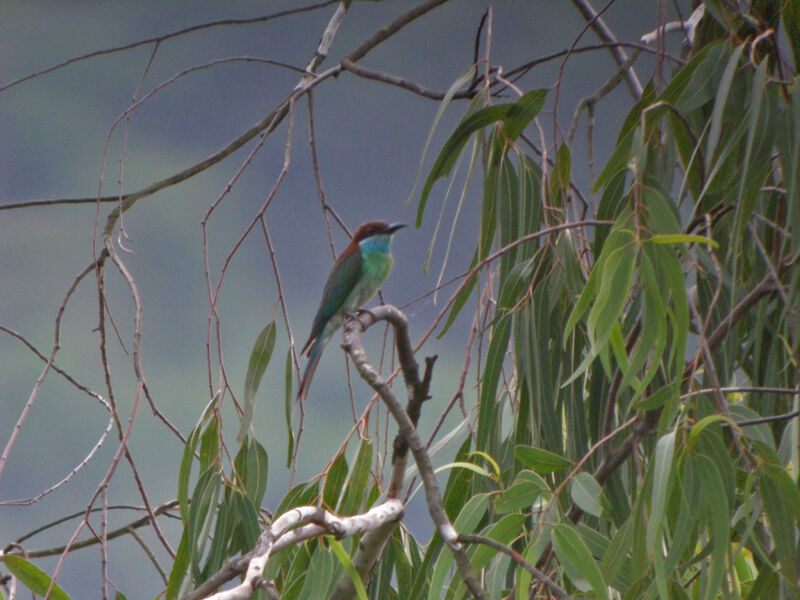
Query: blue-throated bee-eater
pixel 355 277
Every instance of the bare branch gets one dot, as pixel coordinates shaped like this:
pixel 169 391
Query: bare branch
pixel 516 557
pixel 167 36
pixel 596 22
pixel 283 532
pixel 352 345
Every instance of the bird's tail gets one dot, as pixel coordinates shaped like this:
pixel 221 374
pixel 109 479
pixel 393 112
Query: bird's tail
pixel 313 360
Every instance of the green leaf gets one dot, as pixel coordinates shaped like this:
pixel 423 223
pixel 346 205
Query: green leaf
pixel 257 472
pixel 719 522
pixel 207 421
pixel 616 562
pixel 353 499
pixel 721 100
pixel 505 531
pixel 653 339
pixel 683 239
pixel 259 359
pixel 402 564
pixel 531 555
pixel 288 405
pixel 619 157
pixel 662 466
pixel 300 495
pixel 455 143
pixel 32 577
pixel 466 522
pixel 541 461
pixel 790 16
pixel 201 514
pixel 180 568
pixel 561 172
pixel 781 500
pixel 585 493
pixel 460 82
pixel 522 112
pixel 464 465
pixel 703 423
pixel 341 554
pixel 659 397
pixel 461 299
pixel 319 573
pixel 617 240
pixel 578 562
pixel 612 295
pixel 488 415
pixel 760 432
pixel 488 458
pixel 334 481
pixel 527 488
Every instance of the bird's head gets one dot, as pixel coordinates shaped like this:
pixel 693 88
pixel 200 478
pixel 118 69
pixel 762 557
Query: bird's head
pixel 373 228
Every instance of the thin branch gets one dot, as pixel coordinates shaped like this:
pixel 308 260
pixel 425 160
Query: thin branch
pixel 557 592
pixel 97 445
pixel 406 84
pixel 598 25
pixel 770 419
pixel 164 37
pixel 589 102
pixel 46 369
pixel 517 72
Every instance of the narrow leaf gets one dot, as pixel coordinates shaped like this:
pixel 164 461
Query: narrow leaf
pixel 661 471
pixel 721 100
pixel 259 359
pixel 683 239
pixel 341 554
pixel 541 461
pixel 522 112
pixel 462 80
pixel 577 561
pixel 353 498
pixel 453 146
pixel 32 577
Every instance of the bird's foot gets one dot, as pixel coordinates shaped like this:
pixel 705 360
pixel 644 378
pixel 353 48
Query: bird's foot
pixel 349 315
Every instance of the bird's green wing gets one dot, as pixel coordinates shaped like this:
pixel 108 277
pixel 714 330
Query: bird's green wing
pixel 341 281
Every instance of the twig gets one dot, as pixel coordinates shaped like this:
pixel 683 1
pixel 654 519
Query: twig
pixel 595 21
pixel 406 84
pixel 159 510
pixel 68 476
pixel 149 553
pixel 589 102
pixel 557 592
pixel 162 38
pixel 46 369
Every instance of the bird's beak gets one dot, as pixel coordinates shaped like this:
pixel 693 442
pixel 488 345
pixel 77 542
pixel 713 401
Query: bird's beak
pixel 394 227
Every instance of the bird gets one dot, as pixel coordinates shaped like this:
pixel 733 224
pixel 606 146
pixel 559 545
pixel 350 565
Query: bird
pixel 354 278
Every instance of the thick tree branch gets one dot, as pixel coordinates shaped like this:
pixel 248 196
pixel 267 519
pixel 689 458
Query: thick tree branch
pixel 371 545
pixel 352 345
pixel 320 521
